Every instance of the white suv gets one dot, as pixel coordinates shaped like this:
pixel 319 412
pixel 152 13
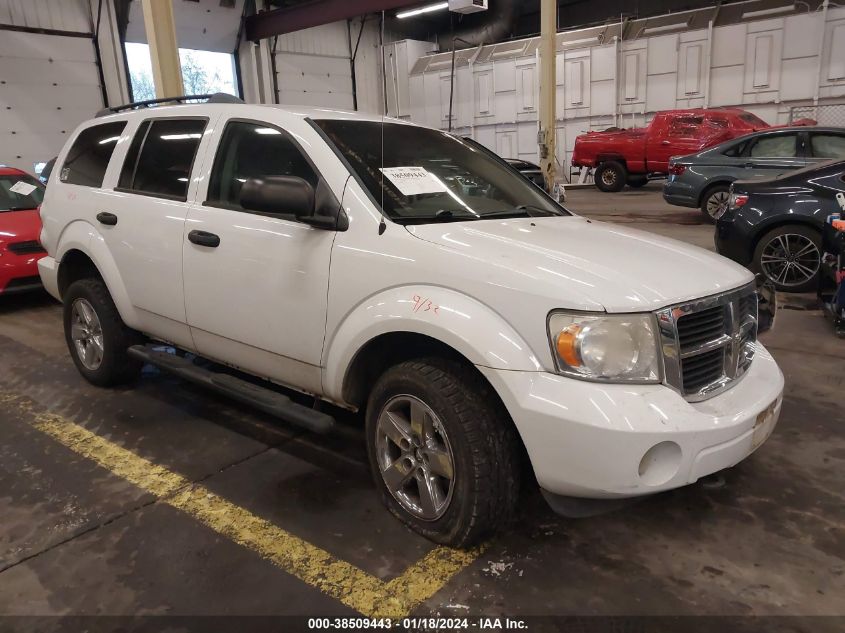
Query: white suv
pixel 397 270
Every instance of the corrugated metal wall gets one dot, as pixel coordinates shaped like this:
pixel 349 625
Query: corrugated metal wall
pixel 48 83
pixel 764 66
pixel 313 66
pixel 58 15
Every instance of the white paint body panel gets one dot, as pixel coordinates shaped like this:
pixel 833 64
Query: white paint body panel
pixel 294 304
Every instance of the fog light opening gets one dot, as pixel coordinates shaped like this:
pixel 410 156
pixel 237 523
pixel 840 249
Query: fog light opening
pixel 660 463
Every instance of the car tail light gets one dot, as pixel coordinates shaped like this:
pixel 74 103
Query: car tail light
pixel 737 200
pixel 676 169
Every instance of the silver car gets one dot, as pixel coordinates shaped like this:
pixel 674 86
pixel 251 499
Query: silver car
pixel 702 180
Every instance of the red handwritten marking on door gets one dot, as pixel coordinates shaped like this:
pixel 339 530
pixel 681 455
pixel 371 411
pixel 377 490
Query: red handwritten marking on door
pixel 423 304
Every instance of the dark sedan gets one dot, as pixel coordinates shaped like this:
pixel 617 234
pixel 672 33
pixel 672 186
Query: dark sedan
pixel 774 226
pixel 702 180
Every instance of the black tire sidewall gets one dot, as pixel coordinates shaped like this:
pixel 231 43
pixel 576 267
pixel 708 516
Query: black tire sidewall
pixel 116 366
pixel 806 231
pixel 619 177
pixel 402 380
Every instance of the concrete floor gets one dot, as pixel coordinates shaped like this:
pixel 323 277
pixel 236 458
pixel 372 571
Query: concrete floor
pixel 762 539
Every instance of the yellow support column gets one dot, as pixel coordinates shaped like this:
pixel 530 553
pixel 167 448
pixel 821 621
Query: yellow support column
pixel 164 53
pixel 548 86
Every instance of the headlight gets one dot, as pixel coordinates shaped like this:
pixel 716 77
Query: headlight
pixel 610 348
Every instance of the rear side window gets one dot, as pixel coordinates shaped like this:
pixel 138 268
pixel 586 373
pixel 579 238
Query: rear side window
pixel 88 158
pixel 736 150
pixel 828 145
pixel 249 150
pixel 775 146
pixel 161 156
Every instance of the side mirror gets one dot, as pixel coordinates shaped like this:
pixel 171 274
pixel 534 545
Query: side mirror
pixel 278 194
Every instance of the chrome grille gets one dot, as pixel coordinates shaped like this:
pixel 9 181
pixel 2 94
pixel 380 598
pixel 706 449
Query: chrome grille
pixel 709 343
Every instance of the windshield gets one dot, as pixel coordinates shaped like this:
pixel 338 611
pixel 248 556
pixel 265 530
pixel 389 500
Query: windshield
pixel 430 176
pixel 19 192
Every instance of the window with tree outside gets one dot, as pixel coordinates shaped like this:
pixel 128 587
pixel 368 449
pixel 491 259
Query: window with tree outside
pixel 203 72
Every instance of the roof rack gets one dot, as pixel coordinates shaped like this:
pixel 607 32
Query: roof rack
pixel 217 97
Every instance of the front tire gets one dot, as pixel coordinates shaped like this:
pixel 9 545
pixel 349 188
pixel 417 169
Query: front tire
pixel 790 257
pixel 611 176
pixel 714 202
pixel 442 451
pixel 96 335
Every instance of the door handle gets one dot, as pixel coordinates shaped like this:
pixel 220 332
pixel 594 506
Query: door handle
pixel 749 165
pixel 204 238
pixel 664 142
pixel 109 219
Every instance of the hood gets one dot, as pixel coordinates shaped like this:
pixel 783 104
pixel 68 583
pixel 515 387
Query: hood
pixel 589 265
pixel 19 226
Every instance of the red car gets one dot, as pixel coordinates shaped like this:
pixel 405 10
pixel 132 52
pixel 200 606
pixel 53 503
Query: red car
pixel 630 156
pixel 20 226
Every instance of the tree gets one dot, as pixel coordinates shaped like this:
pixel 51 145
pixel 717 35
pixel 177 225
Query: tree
pixel 143 88
pixel 194 77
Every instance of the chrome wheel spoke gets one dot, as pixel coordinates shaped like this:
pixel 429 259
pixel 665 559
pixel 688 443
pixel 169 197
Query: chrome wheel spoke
pixel 397 430
pixel 808 272
pixel 415 458
pixel 439 462
pixel 397 474
pixel 87 334
pixel 78 332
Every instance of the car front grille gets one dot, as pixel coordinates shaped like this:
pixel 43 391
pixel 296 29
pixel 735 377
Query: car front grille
pixel 709 343
pixel 25 248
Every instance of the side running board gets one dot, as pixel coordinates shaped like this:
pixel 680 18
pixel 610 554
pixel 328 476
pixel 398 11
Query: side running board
pixel 261 398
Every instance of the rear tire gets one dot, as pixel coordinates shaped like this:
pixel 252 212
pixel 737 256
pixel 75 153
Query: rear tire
pixel 713 200
pixel 790 257
pixel 611 176
pixel 431 418
pixel 635 182
pixel 96 335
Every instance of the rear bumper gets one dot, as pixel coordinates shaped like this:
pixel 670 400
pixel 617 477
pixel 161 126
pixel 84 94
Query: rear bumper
pixel 680 194
pixel 731 242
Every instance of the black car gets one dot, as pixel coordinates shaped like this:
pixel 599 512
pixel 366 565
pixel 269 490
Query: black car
pixel 529 170
pixel 774 226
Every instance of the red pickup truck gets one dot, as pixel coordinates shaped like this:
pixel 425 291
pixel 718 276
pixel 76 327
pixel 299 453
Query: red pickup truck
pixel 630 156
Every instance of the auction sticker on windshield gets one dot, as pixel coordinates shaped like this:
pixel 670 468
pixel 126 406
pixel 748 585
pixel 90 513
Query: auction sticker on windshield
pixel 412 181
pixel 23 188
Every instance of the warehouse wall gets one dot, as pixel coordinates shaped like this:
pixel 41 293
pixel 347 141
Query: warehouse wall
pixel 313 66
pixel 49 75
pixel 764 66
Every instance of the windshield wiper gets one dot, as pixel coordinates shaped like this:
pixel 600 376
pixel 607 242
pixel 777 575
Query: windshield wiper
pixel 523 210
pixel 444 215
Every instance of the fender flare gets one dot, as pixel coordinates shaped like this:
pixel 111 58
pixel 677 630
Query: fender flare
pixel 457 320
pixel 81 236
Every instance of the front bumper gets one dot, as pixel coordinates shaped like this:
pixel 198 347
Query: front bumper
pixel 18 273
pixel 602 441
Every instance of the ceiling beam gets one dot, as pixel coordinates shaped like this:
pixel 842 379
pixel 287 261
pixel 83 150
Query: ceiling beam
pixel 314 13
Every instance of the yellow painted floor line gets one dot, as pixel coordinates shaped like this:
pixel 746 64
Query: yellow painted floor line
pixel 318 568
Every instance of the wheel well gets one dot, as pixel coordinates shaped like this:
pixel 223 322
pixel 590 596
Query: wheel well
pixel 610 158
pixel 392 348
pixel 706 191
pixel 75 265
pixel 383 352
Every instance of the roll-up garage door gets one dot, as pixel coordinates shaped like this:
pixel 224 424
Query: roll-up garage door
pixel 49 84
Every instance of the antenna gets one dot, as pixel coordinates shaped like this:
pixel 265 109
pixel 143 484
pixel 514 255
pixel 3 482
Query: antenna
pixel 382 227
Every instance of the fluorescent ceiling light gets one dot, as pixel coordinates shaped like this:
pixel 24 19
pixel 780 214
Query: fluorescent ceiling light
pixel 774 11
pixel 665 28
pixel 427 9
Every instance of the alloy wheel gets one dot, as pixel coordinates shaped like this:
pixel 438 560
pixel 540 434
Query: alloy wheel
pixel 87 334
pixel 414 457
pixel 790 260
pixel 608 177
pixel 717 203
